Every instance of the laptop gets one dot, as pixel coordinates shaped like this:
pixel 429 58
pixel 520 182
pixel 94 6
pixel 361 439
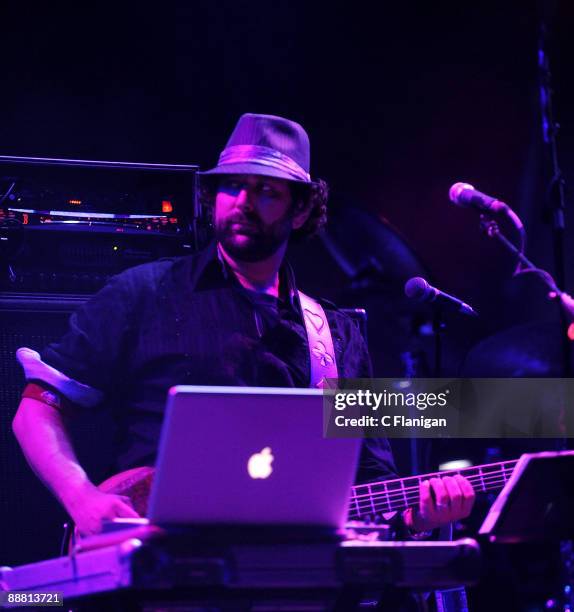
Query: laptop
pixel 250 456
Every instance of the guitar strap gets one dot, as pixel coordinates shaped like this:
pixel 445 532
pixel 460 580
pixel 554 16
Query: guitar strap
pixel 320 341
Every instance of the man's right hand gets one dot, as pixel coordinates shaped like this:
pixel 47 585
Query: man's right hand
pixel 91 508
pixel 42 434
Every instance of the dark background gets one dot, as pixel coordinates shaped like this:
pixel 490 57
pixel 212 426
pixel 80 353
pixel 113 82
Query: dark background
pixel 400 101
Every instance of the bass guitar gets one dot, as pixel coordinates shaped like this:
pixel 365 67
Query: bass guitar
pixel 367 501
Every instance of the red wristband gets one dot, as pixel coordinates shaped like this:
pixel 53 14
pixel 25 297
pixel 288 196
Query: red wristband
pixel 45 394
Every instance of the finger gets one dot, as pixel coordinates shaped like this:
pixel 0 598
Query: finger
pixel 468 494
pixel 85 530
pixel 127 500
pixel 455 496
pixel 91 526
pixel 416 516
pixel 426 505
pixel 122 510
pixel 441 499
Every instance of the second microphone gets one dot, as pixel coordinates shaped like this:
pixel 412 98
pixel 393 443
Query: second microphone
pixel 420 290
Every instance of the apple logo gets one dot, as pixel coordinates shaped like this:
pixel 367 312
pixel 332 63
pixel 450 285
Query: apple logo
pixel 259 464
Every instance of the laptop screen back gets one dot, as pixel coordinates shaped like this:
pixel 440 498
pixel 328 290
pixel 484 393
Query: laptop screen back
pixel 253 456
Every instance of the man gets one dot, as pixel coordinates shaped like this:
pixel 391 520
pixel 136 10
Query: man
pixel 229 315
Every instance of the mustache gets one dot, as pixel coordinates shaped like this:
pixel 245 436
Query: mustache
pixel 248 219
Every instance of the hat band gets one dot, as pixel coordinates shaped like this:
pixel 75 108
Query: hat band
pixel 263 156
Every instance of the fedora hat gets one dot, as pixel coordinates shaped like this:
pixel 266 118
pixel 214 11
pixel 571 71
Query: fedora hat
pixel 266 145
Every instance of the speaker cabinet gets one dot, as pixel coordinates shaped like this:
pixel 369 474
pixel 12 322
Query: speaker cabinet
pixel 31 519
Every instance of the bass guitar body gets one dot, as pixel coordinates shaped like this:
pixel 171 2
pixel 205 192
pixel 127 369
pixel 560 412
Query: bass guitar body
pixel 134 483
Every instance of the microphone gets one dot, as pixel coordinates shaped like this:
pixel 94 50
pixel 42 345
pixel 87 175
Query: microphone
pixel 418 289
pixel 465 195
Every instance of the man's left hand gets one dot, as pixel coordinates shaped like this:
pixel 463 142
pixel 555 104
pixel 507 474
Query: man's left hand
pixel 442 500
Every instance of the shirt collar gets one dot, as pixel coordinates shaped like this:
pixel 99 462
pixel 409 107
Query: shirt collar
pixel 213 264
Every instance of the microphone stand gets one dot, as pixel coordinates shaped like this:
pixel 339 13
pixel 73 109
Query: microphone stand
pixel 418 452
pixel 556 191
pixel 557 202
pixel 438 327
pixel 492 230
pixel 567 313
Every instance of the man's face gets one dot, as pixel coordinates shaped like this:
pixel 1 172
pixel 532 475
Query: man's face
pixel 254 215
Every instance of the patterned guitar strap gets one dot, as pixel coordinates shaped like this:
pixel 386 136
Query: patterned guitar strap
pixel 320 341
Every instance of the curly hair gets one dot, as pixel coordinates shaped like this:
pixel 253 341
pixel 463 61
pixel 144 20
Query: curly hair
pixel 313 196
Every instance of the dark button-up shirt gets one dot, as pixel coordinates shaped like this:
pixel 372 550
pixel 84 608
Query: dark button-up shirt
pixel 188 321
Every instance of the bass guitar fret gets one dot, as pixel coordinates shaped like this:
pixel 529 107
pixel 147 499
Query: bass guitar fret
pixel 396 494
pixel 372 501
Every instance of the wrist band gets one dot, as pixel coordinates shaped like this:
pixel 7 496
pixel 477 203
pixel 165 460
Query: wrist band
pixel 45 395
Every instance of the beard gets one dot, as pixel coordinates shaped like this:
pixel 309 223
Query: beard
pixel 254 242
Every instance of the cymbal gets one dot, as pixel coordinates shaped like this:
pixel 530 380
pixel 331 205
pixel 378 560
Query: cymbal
pixel 362 261
pixel 365 244
pixel 359 255
pixel 529 350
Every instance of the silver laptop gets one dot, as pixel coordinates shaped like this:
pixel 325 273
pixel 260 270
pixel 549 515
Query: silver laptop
pixel 250 456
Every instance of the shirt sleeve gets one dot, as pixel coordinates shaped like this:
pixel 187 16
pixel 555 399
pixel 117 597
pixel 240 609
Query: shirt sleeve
pixel 376 461
pixel 85 363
